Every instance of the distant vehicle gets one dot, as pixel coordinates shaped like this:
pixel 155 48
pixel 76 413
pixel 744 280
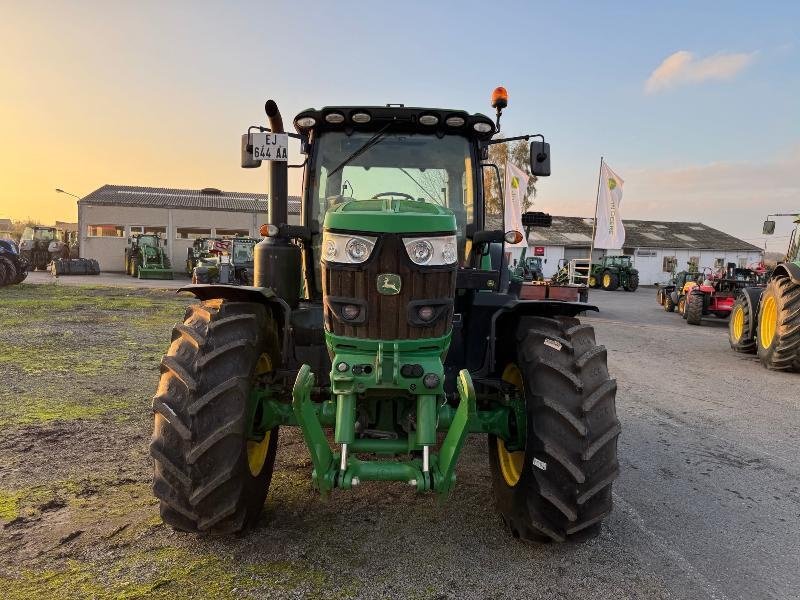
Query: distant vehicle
pixel 228 264
pixel 205 251
pixel 145 257
pixel 13 268
pixel 532 269
pixel 715 294
pixel 39 246
pixel 612 272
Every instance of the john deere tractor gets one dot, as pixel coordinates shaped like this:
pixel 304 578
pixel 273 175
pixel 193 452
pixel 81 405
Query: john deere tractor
pixel 612 272
pixel 386 317
pixel 766 320
pixel 146 258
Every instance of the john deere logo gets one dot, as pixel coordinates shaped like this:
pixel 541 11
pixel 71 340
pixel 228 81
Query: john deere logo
pixel 515 182
pixel 612 183
pixel 389 284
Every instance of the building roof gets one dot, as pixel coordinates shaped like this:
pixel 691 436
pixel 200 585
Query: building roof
pixel 205 199
pixel 576 232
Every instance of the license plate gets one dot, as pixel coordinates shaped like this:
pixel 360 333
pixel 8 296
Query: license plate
pixel 270 146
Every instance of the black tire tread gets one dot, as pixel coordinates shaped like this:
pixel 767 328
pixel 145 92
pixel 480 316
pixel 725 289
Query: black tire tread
pixel 745 345
pixel 694 309
pixel 784 352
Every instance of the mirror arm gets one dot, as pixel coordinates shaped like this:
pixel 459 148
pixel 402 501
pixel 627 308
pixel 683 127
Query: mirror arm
pixel 514 139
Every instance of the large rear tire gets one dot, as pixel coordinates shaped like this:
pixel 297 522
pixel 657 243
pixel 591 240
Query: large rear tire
pixel 209 475
pixel 633 283
pixel 739 327
pixel 778 337
pixel 559 487
pixel 694 309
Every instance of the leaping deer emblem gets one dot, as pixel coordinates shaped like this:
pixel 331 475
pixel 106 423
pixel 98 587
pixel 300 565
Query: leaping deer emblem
pixel 389 284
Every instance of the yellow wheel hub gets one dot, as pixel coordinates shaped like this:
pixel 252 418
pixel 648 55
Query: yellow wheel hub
pixel 511 463
pixel 607 280
pixel 738 323
pixel 592 281
pixel 769 321
pixel 257 450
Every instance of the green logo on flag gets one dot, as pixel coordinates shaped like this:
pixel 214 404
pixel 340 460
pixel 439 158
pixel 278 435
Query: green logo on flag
pixel 515 182
pixel 612 183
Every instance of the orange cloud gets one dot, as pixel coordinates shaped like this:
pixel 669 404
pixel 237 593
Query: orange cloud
pixel 682 68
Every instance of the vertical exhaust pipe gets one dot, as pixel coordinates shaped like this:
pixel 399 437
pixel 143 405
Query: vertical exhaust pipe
pixel 278 201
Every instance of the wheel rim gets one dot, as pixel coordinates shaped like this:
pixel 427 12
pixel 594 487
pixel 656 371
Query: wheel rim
pixel 257 450
pixel 769 321
pixel 592 281
pixel 607 280
pixel 681 305
pixel 511 463
pixel 738 323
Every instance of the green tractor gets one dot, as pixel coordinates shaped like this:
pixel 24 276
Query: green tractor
pixel 612 272
pixel 775 332
pixel 146 257
pixel 387 317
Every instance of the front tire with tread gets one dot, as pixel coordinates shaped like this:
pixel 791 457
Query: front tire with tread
pixel 572 430
pixel 783 351
pixel 694 309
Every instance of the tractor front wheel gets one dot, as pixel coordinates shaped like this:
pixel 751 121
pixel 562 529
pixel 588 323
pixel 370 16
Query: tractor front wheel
pixel 778 338
pixel 212 470
pixel 633 283
pixel 610 281
pixel 558 487
pixel 593 281
pixel 739 327
pixel 694 309
pixel 669 304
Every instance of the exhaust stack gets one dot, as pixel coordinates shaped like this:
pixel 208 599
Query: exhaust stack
pixel 278 200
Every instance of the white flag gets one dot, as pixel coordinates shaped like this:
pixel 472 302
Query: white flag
pixel 609 231
pixel 515 191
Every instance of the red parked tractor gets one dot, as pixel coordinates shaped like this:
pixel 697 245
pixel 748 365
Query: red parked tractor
pixel 717 293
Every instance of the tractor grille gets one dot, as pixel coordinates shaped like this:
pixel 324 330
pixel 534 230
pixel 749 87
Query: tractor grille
pixel 386 317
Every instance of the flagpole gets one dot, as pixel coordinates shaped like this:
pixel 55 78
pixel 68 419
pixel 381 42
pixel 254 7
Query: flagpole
pixel 594 220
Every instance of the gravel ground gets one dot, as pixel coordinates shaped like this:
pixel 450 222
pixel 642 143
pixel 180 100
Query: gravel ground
pixel 707 505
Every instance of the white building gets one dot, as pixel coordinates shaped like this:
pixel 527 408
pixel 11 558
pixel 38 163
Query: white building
pixel 654 246
pixel 107 216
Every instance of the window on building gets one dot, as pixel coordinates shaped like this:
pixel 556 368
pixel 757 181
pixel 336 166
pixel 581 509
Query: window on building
pixel 191 233
pixel 225 233
pixel 742 262
pixel 105 230
pixel 670 262
pixel 719 263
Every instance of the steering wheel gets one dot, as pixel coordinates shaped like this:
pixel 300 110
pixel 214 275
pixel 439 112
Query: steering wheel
pixel 402 194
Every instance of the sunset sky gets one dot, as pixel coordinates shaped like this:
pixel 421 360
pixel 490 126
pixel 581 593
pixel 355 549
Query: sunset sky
pixel 696 105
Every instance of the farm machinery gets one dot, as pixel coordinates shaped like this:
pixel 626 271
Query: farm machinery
pixel 13 267
pixel 612 272
pixel 205 252
pixel 390 320
pixel 532 269
pixel 766 320
pixel 715 293
pixel 146 257
pixel 39 246
pixel 222 260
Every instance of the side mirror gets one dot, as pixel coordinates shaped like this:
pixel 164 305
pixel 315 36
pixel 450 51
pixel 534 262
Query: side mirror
pixel 769 227
pixel 540 159
pixel 536 219
pixel 545 261
pixel 248 162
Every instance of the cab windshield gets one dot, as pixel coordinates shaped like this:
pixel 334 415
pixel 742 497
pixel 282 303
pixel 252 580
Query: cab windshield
pixel 409 166
pixel 622 261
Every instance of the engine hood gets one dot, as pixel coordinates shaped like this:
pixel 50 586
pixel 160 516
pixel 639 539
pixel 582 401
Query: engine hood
pixel 390 216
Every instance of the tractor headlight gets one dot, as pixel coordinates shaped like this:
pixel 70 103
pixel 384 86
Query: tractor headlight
pixel 433 251
pixel 348 249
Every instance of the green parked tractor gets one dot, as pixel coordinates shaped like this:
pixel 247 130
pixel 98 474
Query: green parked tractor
pixel 389 318
pixel 146 257
pixel 612 272
pixel 775 332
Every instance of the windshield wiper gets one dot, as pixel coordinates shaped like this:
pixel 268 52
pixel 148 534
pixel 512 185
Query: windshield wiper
pixel 373 141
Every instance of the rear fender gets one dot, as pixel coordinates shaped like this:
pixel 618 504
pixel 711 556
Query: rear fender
pixel 240 293
pixel 753 298
pixel 505 319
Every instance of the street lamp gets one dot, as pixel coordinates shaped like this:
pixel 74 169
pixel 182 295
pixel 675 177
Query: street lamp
pixel 60 191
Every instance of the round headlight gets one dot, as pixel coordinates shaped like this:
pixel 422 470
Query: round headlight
pixel 431 380
pixel 429 119
pixel 425 313
pixel 334 118
pixel 455 121
pixel 350 312
pixel 420 251
pixel 361 117
pixel 449 253
pixel 482 127
pixel 357 249
pixel 305 122
pixel 330 249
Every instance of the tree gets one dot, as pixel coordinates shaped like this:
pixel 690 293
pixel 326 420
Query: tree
pixel 17 227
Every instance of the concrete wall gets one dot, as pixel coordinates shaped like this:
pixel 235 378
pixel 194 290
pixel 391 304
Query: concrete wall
pixel 110 251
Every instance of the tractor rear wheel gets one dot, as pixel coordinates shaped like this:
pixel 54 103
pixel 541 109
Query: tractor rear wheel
pixel 778 339
pixel 694 309
pixel 5 271
pixel 559 486
pixel 739 327
pixel 610 281
pixel 669 305
pixel 211 472
pixel 633 283
pixel 660 296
